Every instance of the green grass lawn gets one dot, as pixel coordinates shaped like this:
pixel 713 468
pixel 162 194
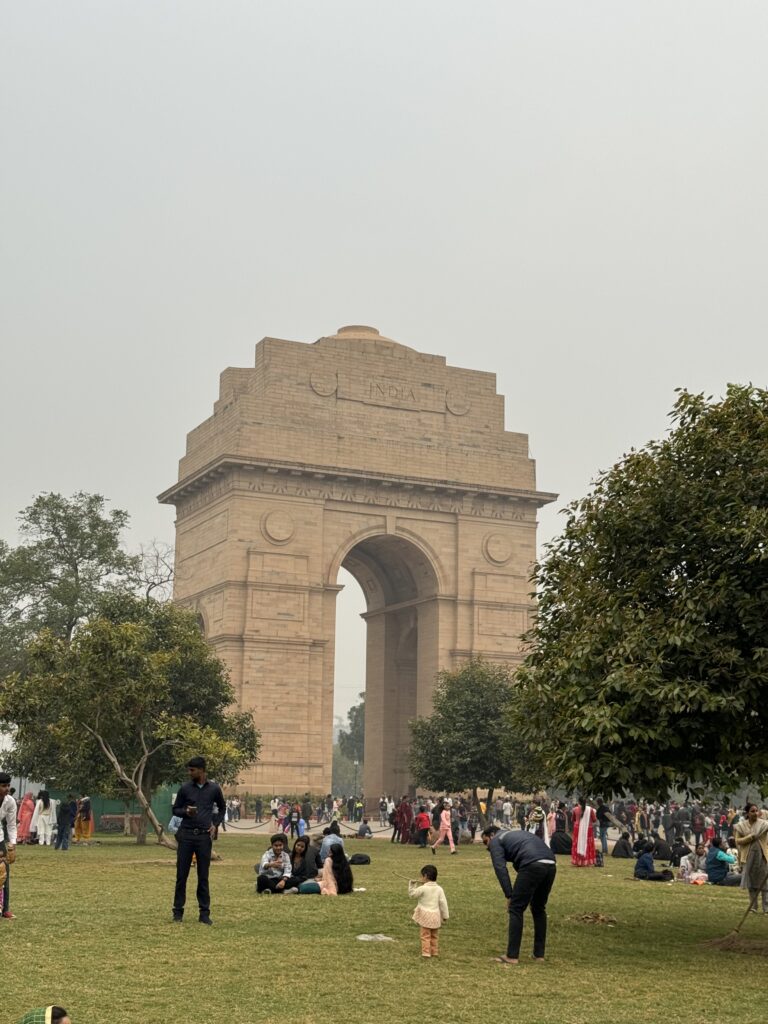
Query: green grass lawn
pixel 94 933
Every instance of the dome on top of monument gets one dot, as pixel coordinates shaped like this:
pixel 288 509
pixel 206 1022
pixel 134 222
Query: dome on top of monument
pixel 360 333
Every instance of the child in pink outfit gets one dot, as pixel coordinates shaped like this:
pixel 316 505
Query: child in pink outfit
pixel 445 831
pixel 431 910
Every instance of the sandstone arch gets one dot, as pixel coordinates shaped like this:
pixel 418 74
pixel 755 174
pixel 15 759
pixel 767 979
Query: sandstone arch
pixel 361 452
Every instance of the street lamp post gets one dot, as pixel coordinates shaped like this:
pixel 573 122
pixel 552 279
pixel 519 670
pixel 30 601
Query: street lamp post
pixel 356 764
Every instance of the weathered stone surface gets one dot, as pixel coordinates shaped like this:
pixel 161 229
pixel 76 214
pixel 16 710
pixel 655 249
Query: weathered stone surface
pixel 354 451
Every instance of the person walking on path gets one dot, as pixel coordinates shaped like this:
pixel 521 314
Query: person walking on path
pixel 431 910
pixel 535 865
pixel 7 839
pixel 445 831
pixel 201 806
pixel 751 835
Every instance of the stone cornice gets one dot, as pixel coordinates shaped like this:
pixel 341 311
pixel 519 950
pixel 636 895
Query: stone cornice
pixel 222 464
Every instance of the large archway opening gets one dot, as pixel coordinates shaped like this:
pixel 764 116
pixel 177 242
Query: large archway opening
pixel 400 588
pixel 348 687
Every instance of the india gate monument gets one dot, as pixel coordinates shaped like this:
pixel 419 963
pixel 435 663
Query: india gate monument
pixel 357 452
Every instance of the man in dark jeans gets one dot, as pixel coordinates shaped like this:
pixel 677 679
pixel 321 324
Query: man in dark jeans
pixel 201 807
pixel 603 822
pixel 535 865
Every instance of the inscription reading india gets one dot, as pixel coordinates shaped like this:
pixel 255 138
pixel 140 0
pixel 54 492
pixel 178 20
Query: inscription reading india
pixel 391 391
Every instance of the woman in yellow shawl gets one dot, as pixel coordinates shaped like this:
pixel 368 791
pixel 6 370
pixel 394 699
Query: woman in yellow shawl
pixel 751 835
pixel 46 1015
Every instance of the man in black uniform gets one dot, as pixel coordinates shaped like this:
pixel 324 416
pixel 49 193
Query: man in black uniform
pixel 535 865
pixel 194 804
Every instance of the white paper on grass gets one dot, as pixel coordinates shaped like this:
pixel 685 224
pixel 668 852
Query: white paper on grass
pixel 376 938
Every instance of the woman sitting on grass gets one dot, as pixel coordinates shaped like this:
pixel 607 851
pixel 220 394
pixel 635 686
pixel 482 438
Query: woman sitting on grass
pixel 305 863
pixel 337 874
pixel 718 865
pixel 644 869
pixel 622 848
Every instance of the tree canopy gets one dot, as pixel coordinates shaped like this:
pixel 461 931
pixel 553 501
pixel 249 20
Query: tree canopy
pixel 648 662
pixel 466 742
pixel 352 740
pixel 136 691
pixel 69 557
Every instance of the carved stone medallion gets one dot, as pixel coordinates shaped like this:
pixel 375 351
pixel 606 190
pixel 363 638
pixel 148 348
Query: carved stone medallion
pixel 497 548
pixel 278 526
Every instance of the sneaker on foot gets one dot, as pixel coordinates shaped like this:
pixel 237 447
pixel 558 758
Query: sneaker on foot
pixel 293 891
pixel 205 920
pixel 9 916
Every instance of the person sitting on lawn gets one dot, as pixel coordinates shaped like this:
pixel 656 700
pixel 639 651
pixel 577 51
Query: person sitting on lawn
pixel 336 879
pixel 718 865
pixel 305 864
pixel 661 848
pixel 639 844
pixel 622 848
pixel 331 837
pixel 274 869
pixel 680 849
pixel 645 870
pixel 364 831
pixel 693 867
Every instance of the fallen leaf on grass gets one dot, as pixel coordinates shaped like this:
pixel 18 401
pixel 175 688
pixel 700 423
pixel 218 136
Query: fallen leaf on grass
pixel 594 918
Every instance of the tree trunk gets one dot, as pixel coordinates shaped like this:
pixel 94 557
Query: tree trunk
pixel 489 806
pixel 126 817
pixel 126 779
pixel 146 788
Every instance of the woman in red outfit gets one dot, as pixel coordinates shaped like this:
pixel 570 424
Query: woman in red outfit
pixel 26 810
pixel 583 848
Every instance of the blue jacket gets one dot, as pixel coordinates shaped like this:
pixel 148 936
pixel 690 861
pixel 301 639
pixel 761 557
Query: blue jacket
pixel 644 866
pixel 717 865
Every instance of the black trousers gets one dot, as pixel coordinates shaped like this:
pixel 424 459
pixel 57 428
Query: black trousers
pixel 423 836
pixel 199 845
pixel 531 888
pixel 265 882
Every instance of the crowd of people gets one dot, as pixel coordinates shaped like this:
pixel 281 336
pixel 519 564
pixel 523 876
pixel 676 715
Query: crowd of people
pixel 718 845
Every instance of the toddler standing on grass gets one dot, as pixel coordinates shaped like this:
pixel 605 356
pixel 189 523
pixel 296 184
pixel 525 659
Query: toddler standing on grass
pixel 431 910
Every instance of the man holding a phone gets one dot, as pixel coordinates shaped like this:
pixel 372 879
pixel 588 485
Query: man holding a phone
pixel 200 805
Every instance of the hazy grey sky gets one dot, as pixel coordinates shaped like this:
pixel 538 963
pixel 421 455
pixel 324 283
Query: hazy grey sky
pixel 570 194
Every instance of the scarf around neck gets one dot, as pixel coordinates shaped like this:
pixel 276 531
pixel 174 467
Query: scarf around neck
pixel 41 1016
pixel 584 823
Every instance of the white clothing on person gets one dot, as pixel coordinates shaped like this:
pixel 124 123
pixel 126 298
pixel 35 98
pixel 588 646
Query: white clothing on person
pixel 8 813
pixel 43 819
pixel 432 908
pixel 584 826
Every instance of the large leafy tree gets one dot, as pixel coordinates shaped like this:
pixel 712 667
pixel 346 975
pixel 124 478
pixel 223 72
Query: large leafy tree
pixel 70 555
pixel 136 691
pixel 352 740
pixel 648 667
pixel 465 743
